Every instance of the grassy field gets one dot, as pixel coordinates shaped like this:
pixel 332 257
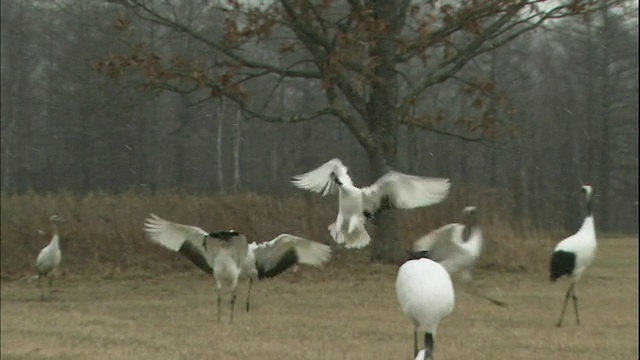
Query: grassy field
pixel 338 312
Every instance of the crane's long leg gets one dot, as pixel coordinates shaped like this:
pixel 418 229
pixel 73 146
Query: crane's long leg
pixel 41 288
pixel 233 303
pixel 575 304
pixel 415 342
pixel 249 292
pixel 473 289
pixel 50 285
pixel 564 305
pixel 218 300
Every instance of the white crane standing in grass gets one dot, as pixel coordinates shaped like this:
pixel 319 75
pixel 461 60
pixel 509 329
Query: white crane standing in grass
pixel 425 294
pixel 228 257
pixel 574 254
pixel 49 257
pixel 457 247
pixel 392 190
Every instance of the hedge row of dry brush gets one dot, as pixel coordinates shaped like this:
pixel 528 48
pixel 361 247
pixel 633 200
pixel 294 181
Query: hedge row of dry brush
pixel 103 232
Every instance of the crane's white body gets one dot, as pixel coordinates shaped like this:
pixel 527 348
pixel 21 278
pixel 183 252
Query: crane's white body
pixel 425 293
pixel 49 257
pixel 583 244
pixel 574 254
pixel 230 262
pixel 421 355
pixel 349 227
pixel 227 267
pixel 392 190
pixel 457 247
pixel 447 246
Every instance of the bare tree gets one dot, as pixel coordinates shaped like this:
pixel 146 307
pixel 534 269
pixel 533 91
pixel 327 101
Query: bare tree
pixel 355 51
pixel 237 146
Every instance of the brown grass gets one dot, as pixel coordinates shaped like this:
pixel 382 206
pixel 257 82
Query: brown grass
pixel 339 312
pixel 104 232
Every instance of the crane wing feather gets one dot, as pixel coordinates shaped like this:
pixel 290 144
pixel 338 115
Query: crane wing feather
pixel 185 239
pixel 319 179
pixel 402 191
pixel 440 243
pixel 277 255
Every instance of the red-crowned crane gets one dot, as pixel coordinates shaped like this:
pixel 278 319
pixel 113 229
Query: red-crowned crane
pixel 573 255
pixel 228 257
pixel 49 257
pixel 392 190
pixel 457 247
pixel 425 294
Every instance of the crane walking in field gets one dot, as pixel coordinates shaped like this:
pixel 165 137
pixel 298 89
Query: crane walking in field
pixel 574 254
pixel 392 190
pixel 425 294
pixel 457 247
pixel 229 258
pixel 49 257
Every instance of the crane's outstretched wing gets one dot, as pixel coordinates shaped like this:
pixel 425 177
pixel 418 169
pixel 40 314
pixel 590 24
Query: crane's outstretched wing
pixel 402 191
pixel 185 239
pixel 322 179
pixel 440 243
pixel 275 256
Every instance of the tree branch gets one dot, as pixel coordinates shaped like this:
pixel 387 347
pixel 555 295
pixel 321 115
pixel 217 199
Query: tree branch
pixel 321 55
pixel 139 9
pixel 477 139
pixel 450 67
pixel 359 130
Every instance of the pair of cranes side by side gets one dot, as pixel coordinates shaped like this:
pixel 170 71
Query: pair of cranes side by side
pixel 423 285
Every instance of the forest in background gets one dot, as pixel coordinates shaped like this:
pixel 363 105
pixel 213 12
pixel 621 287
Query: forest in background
pixel 566 96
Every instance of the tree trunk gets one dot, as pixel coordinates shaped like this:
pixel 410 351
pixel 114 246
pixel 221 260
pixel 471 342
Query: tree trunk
pixel 237 127
pixel 384 123
pixel 591 105
pixel 179 140
pixel 222 113
pixel 520 213
pixel 274 158
pixel 605 150
pixel 570 172
pixel 386 243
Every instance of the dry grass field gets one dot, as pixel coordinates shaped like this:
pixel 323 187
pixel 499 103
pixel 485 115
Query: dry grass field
pixel 339 312
pixel 103 232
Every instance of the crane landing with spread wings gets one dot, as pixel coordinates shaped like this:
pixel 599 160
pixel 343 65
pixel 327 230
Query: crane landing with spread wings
pixel 229 257
pixel 392 190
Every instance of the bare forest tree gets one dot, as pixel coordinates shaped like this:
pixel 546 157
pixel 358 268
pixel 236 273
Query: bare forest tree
pixel 357 53
pixel 512 102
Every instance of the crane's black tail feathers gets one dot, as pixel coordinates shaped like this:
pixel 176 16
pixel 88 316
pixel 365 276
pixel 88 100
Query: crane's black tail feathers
pixel 562 263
